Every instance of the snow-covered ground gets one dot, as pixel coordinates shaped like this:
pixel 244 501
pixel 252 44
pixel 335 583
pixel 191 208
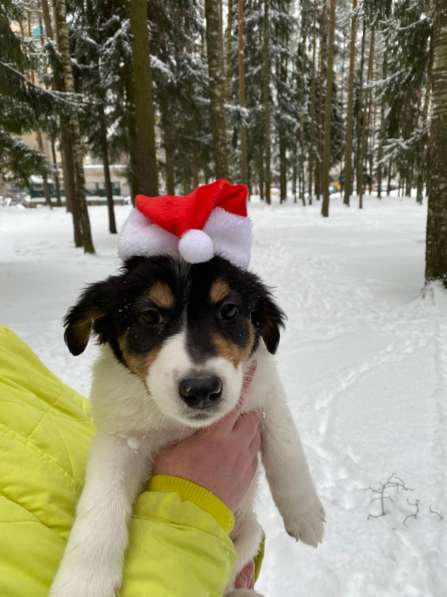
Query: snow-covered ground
pixel 364 360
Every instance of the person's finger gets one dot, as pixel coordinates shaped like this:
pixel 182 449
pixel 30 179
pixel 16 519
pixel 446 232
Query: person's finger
pixel 247 426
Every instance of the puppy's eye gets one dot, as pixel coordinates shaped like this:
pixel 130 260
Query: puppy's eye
pixel 228 312
pixel 151 317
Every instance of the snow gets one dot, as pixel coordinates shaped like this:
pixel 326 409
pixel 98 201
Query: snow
pixel 364 360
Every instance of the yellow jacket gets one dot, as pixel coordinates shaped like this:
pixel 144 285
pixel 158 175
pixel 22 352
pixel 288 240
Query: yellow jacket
pixel 179 533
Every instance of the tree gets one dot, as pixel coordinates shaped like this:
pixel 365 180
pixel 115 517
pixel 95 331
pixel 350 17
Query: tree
pixel 266 102
pixel 214 46
pixel 347 174
pixel 283 27
pixel 24 106
pixel 89 35
pixel 181 86
pixel 328 111
pixel 242 99
pixel 80 215
pixel 405 32
pixel 436 243
pixel 360 125
pixel 141 84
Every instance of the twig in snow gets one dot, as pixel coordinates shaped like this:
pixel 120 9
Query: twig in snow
pixel 393 482
pixel 441 516
pixel 415 514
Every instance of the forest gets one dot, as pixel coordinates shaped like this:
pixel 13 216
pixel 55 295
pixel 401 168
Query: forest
pixel 300 98
pixel 334 114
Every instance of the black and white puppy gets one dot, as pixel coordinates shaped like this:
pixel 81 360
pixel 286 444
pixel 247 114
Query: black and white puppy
pixel 176 340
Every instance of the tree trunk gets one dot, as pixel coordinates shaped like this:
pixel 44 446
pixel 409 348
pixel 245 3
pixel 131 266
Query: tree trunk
pixel 66 151
pixel 382 134
pixel 347 176
pixel 260 165
pixel 46 188
pixel 361 121
pixel 141 81
pixel 281 75
pixel 328 111
pixel 436 243
pixel 107 179
pixel 422 169
pixel 216 87
pixel 130 126
pixel 368 138
pixel 313 111
pixel 79 202
pixel 408 183
pixel 47 18
pixel 389 176
pixel 302 181
pixel 242 98
pixel 295 174
pixel 228 52
pixel 322 83
pixel 169 146
pixel 222 49
pixel 69 179
pixel 57 185
pixel 266 75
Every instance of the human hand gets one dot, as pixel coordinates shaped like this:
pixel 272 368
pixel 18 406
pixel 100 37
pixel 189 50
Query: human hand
pixel 221 458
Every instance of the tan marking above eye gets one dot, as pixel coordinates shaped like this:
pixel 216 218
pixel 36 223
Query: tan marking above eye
pixel 232 352
pixel 219 290
pixel 138 364
pixel 161 295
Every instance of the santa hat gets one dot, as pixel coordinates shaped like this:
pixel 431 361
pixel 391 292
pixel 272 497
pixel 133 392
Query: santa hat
pixel 211 220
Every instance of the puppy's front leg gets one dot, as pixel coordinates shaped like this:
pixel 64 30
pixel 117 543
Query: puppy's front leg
pixel 288 473
pixel 93 559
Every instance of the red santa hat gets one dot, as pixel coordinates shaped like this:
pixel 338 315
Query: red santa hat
pixel 211 220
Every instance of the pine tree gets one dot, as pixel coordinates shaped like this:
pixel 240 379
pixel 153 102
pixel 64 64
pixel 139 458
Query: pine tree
pixel 266 103
pixel 436 243
pixel 242 97
pixel 24 106
pixel 141 84
pixel 79 207
pixel 347 174
pixel 405 31
pixel 89 38
pixel 181 90
pixel 217 93
pixel 360 120
pixel 328 111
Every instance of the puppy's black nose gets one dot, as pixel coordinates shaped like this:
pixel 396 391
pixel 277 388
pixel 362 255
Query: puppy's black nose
pixel 200 391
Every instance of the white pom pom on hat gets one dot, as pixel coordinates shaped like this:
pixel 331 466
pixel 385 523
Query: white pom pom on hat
pixel 196 246
pixel 211 220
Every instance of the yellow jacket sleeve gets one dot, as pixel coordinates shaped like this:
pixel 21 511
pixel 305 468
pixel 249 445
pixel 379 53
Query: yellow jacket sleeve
pixel 178 544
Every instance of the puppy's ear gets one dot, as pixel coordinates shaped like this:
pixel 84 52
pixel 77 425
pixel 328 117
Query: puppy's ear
pixel 268 319
pixel 79 319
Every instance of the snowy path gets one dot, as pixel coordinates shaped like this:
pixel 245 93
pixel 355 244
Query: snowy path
pixel 364 360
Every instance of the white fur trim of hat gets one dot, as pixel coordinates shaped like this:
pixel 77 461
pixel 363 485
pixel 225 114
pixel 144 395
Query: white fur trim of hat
pixel 212 220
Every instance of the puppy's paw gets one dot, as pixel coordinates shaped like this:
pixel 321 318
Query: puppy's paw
pixel 307 526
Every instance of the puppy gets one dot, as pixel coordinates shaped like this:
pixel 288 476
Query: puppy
pixel 176 340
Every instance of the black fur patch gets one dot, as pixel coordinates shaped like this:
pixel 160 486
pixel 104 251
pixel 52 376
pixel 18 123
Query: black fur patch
pixel 119 310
